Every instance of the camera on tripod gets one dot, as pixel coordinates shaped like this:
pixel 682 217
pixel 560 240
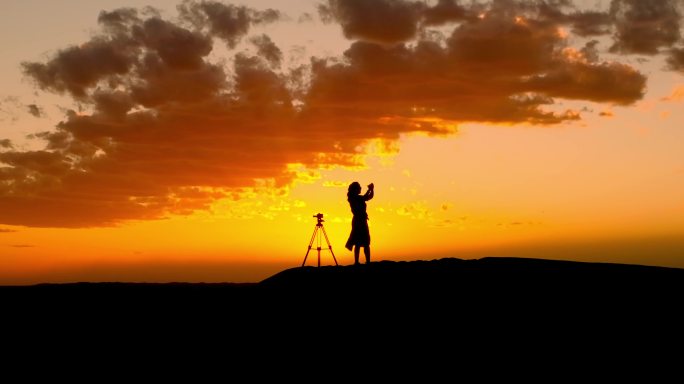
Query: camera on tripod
pixel 317 239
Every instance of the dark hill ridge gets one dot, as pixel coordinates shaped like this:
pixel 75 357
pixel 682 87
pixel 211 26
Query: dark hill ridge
pixel 445 296
pixel 526 280
pixel 485 273
pixel 492 280
pixel 495 282
pixel 497 296
pixel 447 273
pixel 452 267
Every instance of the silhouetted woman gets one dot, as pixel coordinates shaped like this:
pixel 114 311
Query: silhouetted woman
pixel 360 235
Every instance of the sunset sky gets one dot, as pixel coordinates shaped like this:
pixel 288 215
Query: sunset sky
pixel 167 140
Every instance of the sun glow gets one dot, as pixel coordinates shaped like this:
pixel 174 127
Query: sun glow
pixel 520 20
pixel 562 32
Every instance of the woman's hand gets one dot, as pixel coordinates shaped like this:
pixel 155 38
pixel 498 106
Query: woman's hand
pixel 371 186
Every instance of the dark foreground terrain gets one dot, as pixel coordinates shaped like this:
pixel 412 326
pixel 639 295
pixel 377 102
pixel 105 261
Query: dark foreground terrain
pixel 492 305
pixel 443 284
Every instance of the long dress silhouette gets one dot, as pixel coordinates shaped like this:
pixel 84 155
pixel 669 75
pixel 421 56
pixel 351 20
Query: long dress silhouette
pixel 360 234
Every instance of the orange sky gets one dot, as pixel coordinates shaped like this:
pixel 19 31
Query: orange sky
pixel 194 143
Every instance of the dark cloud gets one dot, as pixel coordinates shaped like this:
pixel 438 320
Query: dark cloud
pixel 446 11
pixel 77 68
pixel 566 13
pixel 305 18
pixel 524 45
pixel 267 49
pixel 165 84
pixel 603 82
pixel 257 86
pixel 7 230
pixel 644 26
pixel 381 21
pixel 590 23
pixel 676 59
pixel 169 130
pixel 35 110
pixel 176 46
pixel 225 21
pixel 590 51
pixel 119 19
pixel 466 80
pixel 638 26
pixel 113 103
pixel 506 64
pixel 5 143
pixel 547 9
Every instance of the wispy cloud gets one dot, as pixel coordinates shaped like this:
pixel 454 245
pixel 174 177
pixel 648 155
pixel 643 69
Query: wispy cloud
pixel 335 184
pixel 676 95
pixel 35 110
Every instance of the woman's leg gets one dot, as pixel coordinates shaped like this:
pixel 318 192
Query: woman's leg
pixel 366 251
pixel 357 250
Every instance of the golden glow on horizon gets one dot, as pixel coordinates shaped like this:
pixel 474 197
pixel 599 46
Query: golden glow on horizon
pixel 430 200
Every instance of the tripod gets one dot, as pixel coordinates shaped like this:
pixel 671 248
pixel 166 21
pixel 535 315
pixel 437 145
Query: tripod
pixel 317 231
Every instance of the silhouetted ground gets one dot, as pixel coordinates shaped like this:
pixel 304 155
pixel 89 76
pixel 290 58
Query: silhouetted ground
pixel 488 284
pixel 440 283
pixel 489 306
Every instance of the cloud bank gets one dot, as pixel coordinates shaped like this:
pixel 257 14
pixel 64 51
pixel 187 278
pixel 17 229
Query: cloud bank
pixel 168 130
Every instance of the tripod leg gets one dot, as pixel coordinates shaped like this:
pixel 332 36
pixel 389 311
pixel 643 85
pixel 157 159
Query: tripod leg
pixel 319 245
pixel 329 246
pixel 313 237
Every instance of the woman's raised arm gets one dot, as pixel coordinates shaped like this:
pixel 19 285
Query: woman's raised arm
pixel 369 193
